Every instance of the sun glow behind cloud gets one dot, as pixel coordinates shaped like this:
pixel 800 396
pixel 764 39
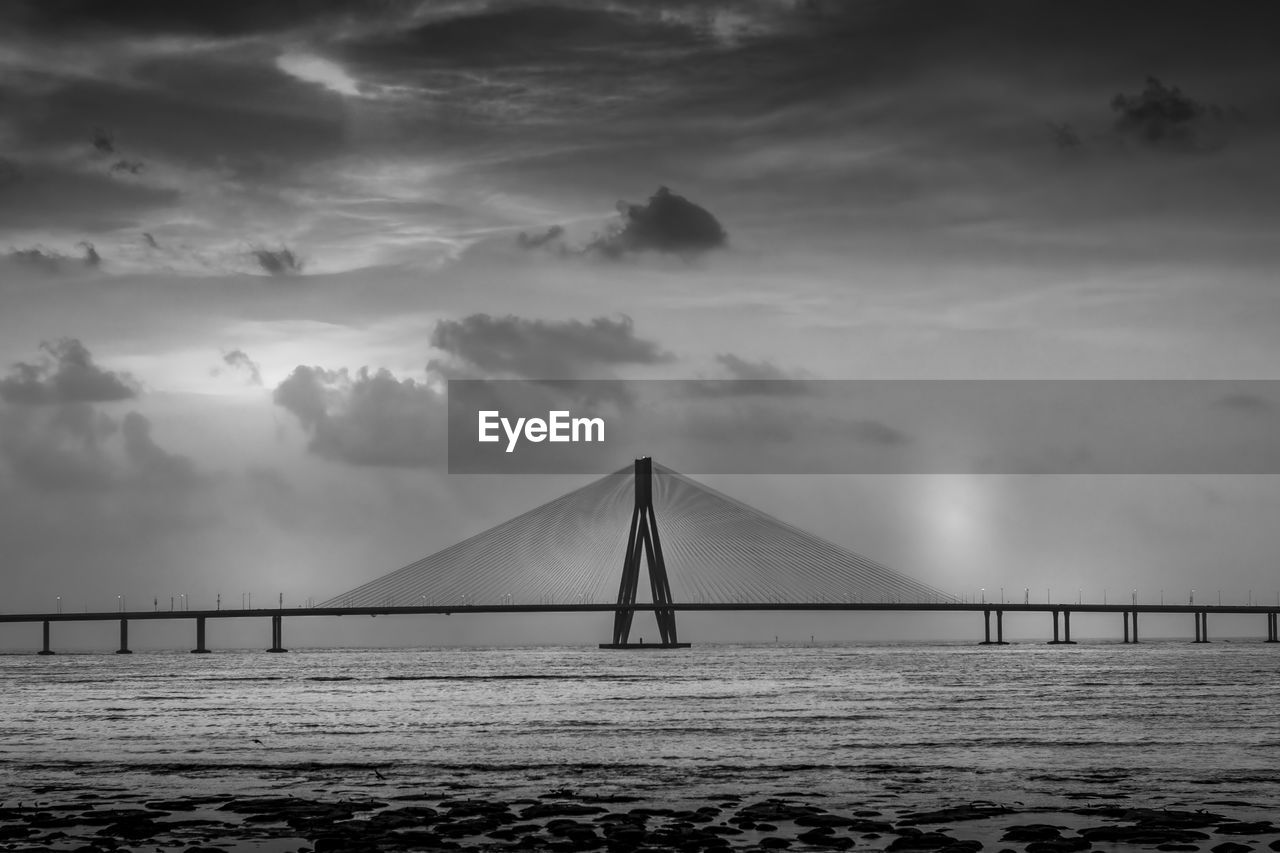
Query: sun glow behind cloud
pixel 316 69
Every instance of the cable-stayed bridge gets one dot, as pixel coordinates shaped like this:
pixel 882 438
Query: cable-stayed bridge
pixel 700 550
pixel 572 550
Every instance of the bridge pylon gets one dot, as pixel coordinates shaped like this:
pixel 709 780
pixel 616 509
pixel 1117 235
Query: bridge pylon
pixel 644 540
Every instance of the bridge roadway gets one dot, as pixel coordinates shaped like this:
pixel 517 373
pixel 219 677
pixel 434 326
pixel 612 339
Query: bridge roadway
pixel 1129 613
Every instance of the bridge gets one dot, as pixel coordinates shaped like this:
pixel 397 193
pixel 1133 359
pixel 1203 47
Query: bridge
pixel 701 550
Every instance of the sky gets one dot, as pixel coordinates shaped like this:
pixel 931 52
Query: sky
pixel 243 247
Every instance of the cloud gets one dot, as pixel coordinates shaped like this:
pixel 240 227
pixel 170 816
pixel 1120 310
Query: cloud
pixel 316 69
pixel 63 447
pixel 73 446
pixel 91 256
pixel 67 374
pixel 151 464
pixel 876 432
pixel 741 368
pixel 239 360
pixel 746 378
pixel 541 349
pixel 371 418
pixel 279 262
pixel 1161 116
pixel 535 241
pixel 48 260
pixel 1065 136
pixel 103 141
pixel 668 223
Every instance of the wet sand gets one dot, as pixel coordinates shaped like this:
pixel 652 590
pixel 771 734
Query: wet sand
pixel 566 820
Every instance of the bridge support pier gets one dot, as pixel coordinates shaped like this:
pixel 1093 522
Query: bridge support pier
pixel 1272 628
pixel 1202 627
pixel 45 650
pixel 200 648
pixel 999 640
pixel 277 634
pixel 1128 638
pixel 1066 641
pixel 124 638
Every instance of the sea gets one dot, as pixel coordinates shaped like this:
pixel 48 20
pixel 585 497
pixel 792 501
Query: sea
pixel 1155 724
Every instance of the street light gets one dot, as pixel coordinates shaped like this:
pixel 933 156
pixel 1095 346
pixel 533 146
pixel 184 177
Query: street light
pixel 120 603
pixel 984 594
pixel 59 604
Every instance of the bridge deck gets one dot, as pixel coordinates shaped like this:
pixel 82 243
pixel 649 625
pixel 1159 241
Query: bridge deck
pixel 390 610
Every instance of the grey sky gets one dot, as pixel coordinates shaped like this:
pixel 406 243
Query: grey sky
pixel 907 191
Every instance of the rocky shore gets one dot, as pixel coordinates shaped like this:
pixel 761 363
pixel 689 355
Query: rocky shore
pixel 565 821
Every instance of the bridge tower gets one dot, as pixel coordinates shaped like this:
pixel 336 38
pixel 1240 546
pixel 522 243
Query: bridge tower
pixel 644 538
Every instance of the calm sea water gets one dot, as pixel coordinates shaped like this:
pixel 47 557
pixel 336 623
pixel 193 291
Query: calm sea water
pixel 1160 723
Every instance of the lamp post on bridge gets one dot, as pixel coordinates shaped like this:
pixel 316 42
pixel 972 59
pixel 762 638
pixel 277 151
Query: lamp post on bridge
pixel 59 604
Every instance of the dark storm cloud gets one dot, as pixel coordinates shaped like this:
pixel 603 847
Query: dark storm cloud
pixel 67 374
pixel 667 223
pixel 542 349
pixel 279 262
pixel 369 418
pixel 1166 117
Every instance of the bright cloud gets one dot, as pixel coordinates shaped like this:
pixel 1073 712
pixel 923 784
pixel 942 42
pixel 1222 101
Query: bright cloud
pixel 318 70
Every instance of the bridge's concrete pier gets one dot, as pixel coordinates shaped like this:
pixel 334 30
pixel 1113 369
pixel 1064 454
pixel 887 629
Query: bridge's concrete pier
pixel 986 629
pixel 200 648
pixel 45 650
pixel 124 638
pixel 1127 615
pixel 277 634
pixel 1066 636
pixel 1202 626
pixel 1272 628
